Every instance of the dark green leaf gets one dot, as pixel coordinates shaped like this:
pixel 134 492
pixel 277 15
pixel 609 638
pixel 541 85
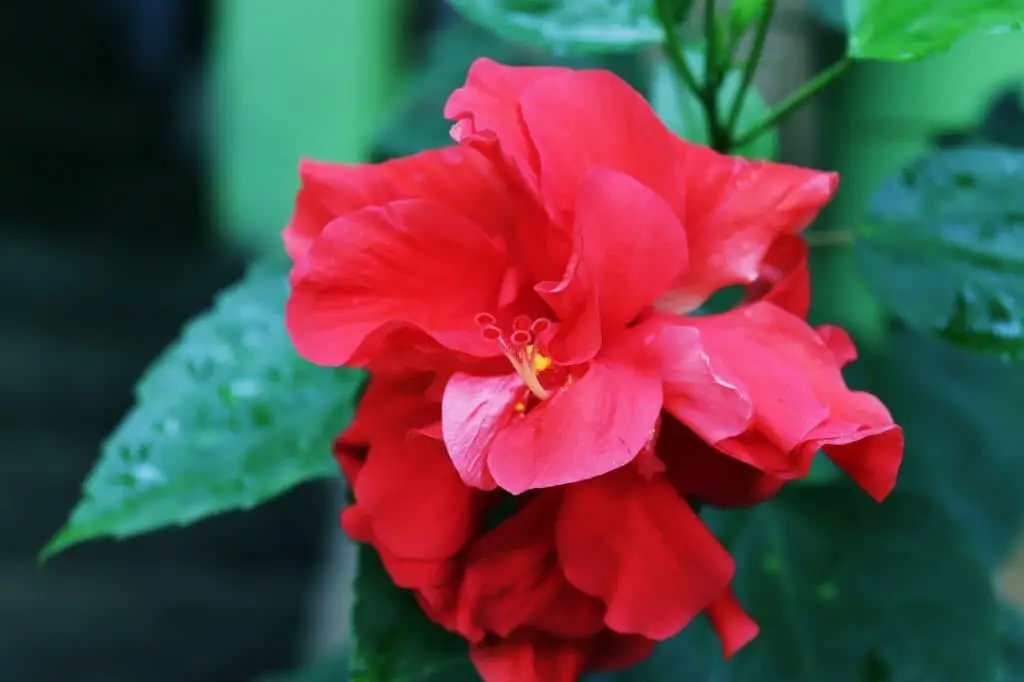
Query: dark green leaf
pixel 961 418
pixel 678 10
pixel 1004 119
pixel 909 29
pixel 682 112
pixel 1012 665
pixel 943 247
pixel 568 25
pixel 228 417
pixel 845 590
pixel 332 669
pixel 394 640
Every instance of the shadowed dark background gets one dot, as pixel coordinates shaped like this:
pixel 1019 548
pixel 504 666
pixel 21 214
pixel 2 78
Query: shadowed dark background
pixel 106 247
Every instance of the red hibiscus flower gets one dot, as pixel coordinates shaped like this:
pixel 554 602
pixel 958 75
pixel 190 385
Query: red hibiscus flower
pixel 577 578
pixel 526 301
pixel 550 257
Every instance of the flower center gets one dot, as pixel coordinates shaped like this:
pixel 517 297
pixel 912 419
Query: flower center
pixel 522 347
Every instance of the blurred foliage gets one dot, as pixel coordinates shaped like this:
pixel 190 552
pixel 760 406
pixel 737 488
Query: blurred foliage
pixel 960 415
pixel 396 642
pixel 906 30
pixel 228 417
pixel 579 26
pixel 838 591
pixel 911 29
pixel 306 78
pixel 943 245
pixel 682 111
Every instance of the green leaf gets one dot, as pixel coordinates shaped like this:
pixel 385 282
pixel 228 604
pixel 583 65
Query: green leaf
pixel 568 25
pixel 226 418
pixel 910 29
pixel 331 669
pixel 682 112
pixel 742 15
pixel 679 10
pixel 845 590
pixel 1011 667
pixel 394 640
pixel 943 247
pixel 961 418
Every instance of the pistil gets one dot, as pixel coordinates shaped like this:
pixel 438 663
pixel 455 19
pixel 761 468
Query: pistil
pixel 521 347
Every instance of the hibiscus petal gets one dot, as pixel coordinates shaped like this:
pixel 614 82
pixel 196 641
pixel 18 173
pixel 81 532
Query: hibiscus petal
pixel 733 209
pixel 474 410
pixel 706 397
pixel 795 380
pixel 862 440
pixel 595 425
pixel 415 262
pixel 571 613
pixel 732 624
pixel 512 579
pixel 487 118
pixel 633 245
pixel 765 348
pixel 641 549
pixel 737 210
pixel 530 656
pixel 459 177
pixel 417 574
pixel 839 342
pixel 350 459
pixel 573 299
pixel 486 110
pixel 783 277
pixel 590 104
pixel 408 573
pixel 697 470
pixel 391 403
pixel 417 504
pixel 439 602
pixel 613 651
pixel 356 524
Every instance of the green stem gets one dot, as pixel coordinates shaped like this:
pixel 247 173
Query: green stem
pixel 674 48
pixel 794 101
pixel 721 140
pixel 750 66
pixel 711 48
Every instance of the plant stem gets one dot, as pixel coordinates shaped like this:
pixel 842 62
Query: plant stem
pixel 751 64
pixel 711 47
pixel 795 101
pixel 674 48
pixel 719 135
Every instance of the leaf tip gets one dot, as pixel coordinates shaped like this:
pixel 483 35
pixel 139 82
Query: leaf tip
pixel 61 540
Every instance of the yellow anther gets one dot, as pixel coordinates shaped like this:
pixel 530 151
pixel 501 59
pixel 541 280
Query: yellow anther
pixel 539 362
